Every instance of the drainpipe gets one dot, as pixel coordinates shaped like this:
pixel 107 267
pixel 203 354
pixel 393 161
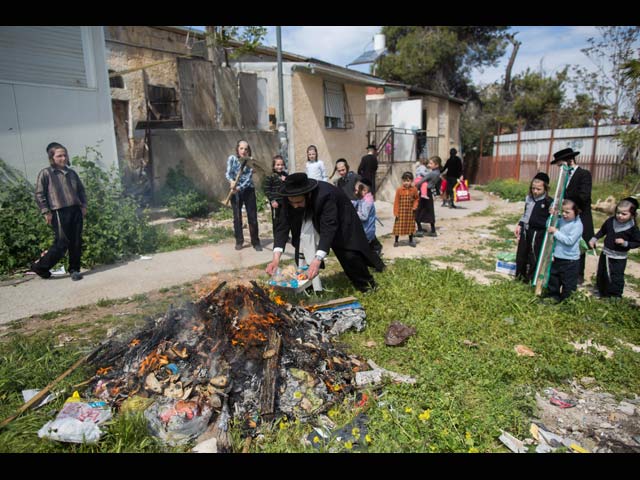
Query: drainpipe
pixel 282 125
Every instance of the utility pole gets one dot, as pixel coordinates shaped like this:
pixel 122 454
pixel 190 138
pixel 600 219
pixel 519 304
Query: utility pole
pixel 282 125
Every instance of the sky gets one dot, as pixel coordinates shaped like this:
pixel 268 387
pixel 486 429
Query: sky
pixel 549 47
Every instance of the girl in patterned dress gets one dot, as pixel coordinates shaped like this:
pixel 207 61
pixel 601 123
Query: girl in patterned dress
pixel 404 209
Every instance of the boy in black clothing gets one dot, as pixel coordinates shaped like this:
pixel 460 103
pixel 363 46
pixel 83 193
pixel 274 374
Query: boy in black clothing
pixel 622 234
pixel 531 227
pixel 452 171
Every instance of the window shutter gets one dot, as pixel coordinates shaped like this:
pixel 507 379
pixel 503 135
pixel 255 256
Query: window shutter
pixel 334 100
pixel 49 55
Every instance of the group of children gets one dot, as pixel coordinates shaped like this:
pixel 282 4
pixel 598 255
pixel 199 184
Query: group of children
pixel 413 204
pixel 621 234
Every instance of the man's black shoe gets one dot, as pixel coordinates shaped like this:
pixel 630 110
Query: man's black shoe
pixel 257 248
pixel 238 246
pixel 41 272
pixel 75 276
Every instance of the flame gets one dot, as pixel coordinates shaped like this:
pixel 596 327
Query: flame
pixel 103 371
pixel 135 342
pixel 251 322
pixel 152 361
pixel 279 300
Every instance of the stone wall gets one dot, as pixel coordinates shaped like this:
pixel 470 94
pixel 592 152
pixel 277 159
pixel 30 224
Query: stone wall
pixel 204 153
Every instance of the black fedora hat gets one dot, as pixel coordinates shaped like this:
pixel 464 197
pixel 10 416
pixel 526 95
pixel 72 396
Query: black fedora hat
pixel 371 146
pixel 297 184
pixel 564 154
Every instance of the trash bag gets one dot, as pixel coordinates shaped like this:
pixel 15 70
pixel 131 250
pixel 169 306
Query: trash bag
pixel 175 421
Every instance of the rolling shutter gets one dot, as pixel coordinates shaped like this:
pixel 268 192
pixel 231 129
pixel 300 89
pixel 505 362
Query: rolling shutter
pixel 46 55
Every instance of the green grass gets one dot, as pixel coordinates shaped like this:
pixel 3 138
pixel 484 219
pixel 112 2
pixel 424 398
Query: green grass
pixel 463 396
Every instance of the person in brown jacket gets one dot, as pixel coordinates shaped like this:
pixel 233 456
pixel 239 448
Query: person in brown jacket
pixel 62 201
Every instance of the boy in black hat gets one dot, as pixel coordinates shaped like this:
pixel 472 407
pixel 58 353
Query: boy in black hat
pixel 531 227
pixel 369 166
pixel 578 188
pixel 336 222
pixel 622 234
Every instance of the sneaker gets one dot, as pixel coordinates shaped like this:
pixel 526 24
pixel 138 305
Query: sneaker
pixel 257 248
pixel 238 246
pixel 75 276
pixel 395 244
pixel 444 204
pixel 412 243
pixel 451 205
pixel 420 233
pixel 432 234
pixel 41 272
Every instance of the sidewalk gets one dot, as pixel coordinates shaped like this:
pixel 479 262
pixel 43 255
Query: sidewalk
pixel 37 296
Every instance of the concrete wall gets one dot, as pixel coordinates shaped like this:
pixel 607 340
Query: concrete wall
pixel 387 188
pixel 130 47
pixel 308 124
pixel 204 154
pixel 33 115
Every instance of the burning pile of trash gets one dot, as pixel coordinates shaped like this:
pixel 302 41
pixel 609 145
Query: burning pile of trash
pixel 234 353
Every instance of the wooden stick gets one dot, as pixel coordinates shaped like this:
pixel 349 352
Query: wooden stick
pixel 247 444
pixel 332 303
pixel 40 395
pixel 268 391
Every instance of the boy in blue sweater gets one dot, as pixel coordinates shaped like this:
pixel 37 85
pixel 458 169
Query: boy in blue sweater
pixel 563 278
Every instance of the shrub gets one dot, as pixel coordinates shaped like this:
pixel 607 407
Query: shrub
pixel 181 196
pixel 112 228
pixel 23 231
pixel 508 189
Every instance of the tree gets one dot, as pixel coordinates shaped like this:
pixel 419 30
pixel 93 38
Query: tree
pixel 607 84
pixel 243 39
pixel 440 58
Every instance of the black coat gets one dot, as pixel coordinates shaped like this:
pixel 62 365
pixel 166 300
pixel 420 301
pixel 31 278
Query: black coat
pixel 368 168
pixel 579 188
pixel 335 219
pixel 348 184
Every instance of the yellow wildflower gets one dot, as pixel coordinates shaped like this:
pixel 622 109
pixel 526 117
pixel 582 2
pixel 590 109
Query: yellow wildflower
pixel 316 439
pixel 473 450
pixel 355 431
pixel 283 425
pixel 467 436
pixel 297 394
pixel 425 415
pixel 332 413
pixel 408 410
pixel 348 445
pixel 367 438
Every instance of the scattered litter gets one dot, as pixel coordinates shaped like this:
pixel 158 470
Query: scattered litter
pixel 29 394
pixel 376 375
pixel 176 422
pixel 633 347
pixel 63 339
pixel 397 333
pixel 77 422
pixel 145 257
pixel 342 318
pixel 354 434
pixel 508 320
pixel 558 402
pixel 370 344
pixel 608 353
pixel 208 446
pixel 470 344
pixel 512 443
pixel 523 350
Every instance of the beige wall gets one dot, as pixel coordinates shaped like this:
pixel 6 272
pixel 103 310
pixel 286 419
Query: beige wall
pixel 308 124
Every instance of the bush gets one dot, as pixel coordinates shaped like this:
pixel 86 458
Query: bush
pixel 181 196
pixel 112 228
pixel 23 231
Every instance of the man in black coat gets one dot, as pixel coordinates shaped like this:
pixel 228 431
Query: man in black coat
pixel 579 188
pixel 452 171
pixel 369 166
pixel 337 224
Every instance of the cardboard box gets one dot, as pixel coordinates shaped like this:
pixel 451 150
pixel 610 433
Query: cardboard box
pixel 506 267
